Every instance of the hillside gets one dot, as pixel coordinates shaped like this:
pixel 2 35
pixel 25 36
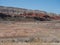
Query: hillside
pixel 18 14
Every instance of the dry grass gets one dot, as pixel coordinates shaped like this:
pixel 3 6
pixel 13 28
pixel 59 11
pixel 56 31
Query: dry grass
pixel 32 31
pixel 8 43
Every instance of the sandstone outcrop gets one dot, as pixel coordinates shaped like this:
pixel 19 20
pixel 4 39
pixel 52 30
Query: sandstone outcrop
pixel 12 13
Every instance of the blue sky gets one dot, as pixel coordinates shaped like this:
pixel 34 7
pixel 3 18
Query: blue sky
pixel 44 5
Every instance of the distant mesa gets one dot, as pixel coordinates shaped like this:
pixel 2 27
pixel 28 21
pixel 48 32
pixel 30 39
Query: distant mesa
pixel 20 14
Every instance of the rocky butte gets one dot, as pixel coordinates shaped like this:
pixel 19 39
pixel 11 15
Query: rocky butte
pixel 12 13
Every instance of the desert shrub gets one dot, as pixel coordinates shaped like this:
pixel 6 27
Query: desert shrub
pixel 39 19
pixel 55 40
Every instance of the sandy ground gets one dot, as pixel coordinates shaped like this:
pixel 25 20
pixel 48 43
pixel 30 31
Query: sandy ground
pixel 43 32
pixel 7 43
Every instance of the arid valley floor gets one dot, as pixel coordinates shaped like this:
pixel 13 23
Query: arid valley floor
pixel 29 33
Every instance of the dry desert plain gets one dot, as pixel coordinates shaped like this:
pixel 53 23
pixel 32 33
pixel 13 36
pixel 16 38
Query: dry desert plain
pixel 29 33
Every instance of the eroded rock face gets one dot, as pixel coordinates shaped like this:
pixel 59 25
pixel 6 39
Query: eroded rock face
pixel 24 14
